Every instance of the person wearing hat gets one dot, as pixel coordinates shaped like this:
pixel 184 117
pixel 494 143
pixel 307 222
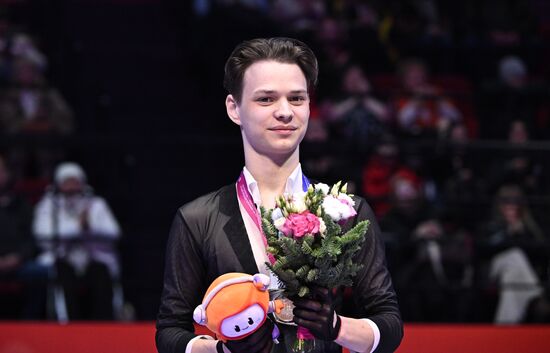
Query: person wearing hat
pixel 77 234
pixel 269 81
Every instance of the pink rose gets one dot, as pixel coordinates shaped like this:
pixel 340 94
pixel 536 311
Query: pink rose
pixel 300 224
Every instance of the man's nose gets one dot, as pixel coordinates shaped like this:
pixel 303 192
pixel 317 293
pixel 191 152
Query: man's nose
pixel 284 111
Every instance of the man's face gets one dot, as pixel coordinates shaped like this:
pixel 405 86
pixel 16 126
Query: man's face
pixel 274 108
pixel 71 186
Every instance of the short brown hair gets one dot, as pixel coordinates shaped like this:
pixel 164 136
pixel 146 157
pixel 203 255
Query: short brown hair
pixel 284 50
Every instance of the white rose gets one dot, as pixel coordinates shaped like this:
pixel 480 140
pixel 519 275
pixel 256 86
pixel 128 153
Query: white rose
pixel 333 207
pixel 346 199
pixel 339 208
pixel 276 214
pixel 347 211
pixel 298 202
pixel 323 187
pixel 279 223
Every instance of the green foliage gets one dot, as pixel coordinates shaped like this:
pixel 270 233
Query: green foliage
pixel 309 260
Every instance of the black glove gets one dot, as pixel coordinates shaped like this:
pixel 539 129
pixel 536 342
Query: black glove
pixel 317 314
pixel 260 341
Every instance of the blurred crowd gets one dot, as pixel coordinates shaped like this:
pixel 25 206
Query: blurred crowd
pixel 437 113
pixel 58 240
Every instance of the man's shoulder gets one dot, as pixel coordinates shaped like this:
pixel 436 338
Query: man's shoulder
pixel 206 202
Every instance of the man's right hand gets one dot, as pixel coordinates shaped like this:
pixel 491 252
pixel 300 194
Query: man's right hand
pixel 260 341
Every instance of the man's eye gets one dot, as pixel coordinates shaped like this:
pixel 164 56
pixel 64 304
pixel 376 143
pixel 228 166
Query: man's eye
pixel 265 99
pixel 297 99
pixel 250 321
pixel 237 328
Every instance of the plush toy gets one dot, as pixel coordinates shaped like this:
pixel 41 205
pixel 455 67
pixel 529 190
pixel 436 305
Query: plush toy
pixel 236 305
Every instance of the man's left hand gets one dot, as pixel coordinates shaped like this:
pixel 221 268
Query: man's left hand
pixel 317 314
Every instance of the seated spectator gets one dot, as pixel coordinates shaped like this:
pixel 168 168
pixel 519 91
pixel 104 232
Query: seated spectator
pixel 421 108
pixel 514 253
pixel 518 166
pixel 378 172
pixel 427 261
pixel 30 106
pixel 16 44
pixel 77 233
pixel 17 251
pixel 356 116
pixel 456 173
pixel 512 97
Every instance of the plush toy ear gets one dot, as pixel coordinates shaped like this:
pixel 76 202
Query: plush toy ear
pixel 261 281
pixel 199 315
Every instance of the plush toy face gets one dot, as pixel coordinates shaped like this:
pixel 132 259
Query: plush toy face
pixel 244 322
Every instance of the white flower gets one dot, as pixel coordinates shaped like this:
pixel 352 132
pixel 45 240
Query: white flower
pixel 322 227
pixel 276 214
pixel 345 198
pixel 279 223
pixel 298 202
pixel 323 187
pixel 339 209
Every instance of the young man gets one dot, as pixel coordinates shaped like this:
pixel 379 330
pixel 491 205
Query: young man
pixel 269 82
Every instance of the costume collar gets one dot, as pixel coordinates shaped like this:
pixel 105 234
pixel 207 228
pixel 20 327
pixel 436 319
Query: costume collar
pixel 293 183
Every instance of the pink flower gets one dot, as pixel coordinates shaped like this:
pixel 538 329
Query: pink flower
pixel 300 224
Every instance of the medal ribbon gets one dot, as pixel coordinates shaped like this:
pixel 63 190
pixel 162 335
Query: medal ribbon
pixel 248 203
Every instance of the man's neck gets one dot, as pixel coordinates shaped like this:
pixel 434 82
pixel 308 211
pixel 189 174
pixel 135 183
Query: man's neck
pixel 271 174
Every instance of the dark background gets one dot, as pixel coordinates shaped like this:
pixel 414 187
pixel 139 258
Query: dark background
pixel 145 81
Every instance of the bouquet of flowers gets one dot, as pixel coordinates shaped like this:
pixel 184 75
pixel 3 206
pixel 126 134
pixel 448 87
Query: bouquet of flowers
pixel 305 239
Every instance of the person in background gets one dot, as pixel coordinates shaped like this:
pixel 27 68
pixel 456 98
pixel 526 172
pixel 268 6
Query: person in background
pixel 17 251
pixel 513 252
pixel 421 108
pixel 378 172
pixel 427 259
pixel 519 165
pixel 29 105
pixel 77 234
pixel 513 95
pixel 356 115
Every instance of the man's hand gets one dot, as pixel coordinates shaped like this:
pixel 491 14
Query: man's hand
pixel 260 341
pixel 317 314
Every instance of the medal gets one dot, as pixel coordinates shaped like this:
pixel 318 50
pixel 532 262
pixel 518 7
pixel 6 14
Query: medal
pixel 285 316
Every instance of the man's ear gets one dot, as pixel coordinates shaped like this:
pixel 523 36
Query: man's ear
pixel 231 106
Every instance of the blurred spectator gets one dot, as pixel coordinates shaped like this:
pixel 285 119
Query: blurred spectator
pixel 518 166
pixel 513 96
pixel 382 166
pixel 507 23
pixel 299 15
pixel 515 251
pixel 367 46
pixel 29 105
pixel 429 263
pixel 456 173
pixel 421 108
pixel 77 233
pixel 355 115
pixel 17 250
pixel 15 44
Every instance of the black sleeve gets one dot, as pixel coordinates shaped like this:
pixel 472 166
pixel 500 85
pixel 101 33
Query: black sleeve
pixel 373 292
pixel 184 275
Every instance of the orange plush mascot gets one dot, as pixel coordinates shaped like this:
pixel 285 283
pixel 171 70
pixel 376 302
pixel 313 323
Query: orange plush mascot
pixel 236 305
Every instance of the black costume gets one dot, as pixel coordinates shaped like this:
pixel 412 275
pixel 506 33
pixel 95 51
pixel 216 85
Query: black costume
pixel 208 238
